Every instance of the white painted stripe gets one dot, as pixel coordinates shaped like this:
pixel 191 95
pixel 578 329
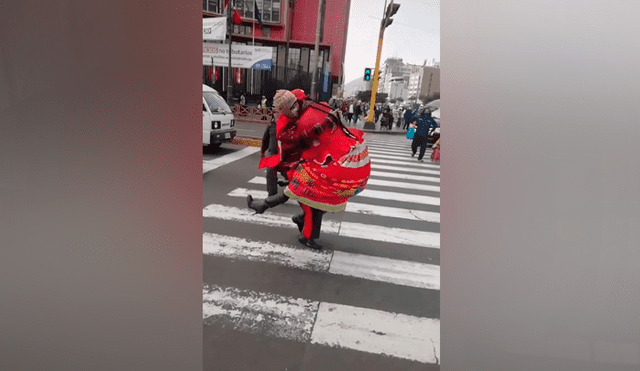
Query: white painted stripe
pixel 354 207
pixel 402 197
pixel 393 212
pixel 268 218
pixel 390 152
pixel 376 182
pixel 388 144
pixel 264 251
pixel 334 325
pixel 399 272
pixel 409 169
pixel 408 161
pixel 405 273
pixel 368 193
pixel 390 235
pixel 405 176
pixel 398 156
pixel 378 332
pixel 255 312
pixel 227 159
pixel 344 229
pixel 384 146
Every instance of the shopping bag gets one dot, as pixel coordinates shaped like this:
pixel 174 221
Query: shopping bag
pixel 410 132
pixel 435 155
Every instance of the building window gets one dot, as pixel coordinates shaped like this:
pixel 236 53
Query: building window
pixel 212 6
pixel 294 57
pixel 269 10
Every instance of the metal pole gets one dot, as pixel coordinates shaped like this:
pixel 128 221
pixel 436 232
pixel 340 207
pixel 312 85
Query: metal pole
pixel 317 51
pixel 369 122
pixel 230 77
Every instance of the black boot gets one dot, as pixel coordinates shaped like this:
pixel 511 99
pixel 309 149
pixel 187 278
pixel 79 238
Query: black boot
pixel 271 201
pixel 309 242
pixel 258 206
pixel 296 219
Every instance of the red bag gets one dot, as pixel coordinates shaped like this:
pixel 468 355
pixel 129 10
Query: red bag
pixel 435 155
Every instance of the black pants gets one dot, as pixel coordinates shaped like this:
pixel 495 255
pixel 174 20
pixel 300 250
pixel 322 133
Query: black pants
pixel 419 142
pixel 312 219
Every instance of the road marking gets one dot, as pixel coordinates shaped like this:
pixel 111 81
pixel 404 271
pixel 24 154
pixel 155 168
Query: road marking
pixel 399 272
pixel 344 229
pixel 263 251
pixel 409 169
pixel 227 159
pixel 376 182
pixel 378 332
pixel 353 207
pixel 408 162
pixel 368 193
pixel 334 325
pixel 255 312
pixel 377 151
pixel 405 176
pixel 402 197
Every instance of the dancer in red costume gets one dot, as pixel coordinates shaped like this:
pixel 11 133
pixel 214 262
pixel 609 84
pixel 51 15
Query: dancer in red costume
pixel 327 163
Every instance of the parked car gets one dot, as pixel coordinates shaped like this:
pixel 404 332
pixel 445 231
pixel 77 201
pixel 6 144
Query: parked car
pixel 218 120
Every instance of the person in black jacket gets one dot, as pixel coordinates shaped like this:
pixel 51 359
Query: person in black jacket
pixel 425 123
pixel 270 147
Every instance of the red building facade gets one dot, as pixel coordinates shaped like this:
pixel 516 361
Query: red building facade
pixel 290 28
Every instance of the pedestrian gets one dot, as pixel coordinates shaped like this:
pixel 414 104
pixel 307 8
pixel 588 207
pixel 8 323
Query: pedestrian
pixel 243 101
pixel 332 162
pixel 350 113
pixel 264 102
pixel 387 119
pixel 424 123
pixel 269 148
pixel 357 112
pixel 407 118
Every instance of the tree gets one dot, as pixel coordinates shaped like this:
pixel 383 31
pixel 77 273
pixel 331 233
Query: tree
pixel 393 100
pixel 413 97
pixel 400 100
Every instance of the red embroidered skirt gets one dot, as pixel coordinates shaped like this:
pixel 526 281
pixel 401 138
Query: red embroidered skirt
pixel 329 187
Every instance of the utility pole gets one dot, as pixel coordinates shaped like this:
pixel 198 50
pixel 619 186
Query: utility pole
pixel 386 21
pixel 230 77
pixel 317 51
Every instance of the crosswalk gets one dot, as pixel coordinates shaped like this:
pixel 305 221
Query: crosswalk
pixel 374 287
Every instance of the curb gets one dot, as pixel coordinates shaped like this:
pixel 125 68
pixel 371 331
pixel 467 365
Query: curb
pixel 247 141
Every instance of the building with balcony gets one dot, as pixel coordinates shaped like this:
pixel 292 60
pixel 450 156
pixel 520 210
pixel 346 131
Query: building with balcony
pixel 290 29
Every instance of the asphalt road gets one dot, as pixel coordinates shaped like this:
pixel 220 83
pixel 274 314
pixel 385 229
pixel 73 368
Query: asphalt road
pixel 369 300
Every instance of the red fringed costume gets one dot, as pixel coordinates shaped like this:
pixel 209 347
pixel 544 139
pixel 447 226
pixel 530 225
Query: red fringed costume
pixel 327 163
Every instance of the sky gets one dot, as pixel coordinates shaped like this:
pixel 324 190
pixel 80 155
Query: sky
pixel 414 35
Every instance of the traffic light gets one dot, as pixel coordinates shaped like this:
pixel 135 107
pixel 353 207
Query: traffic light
pixel 391 10
pixel 367 74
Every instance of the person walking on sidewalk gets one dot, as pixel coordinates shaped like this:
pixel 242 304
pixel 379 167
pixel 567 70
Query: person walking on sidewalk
pixel 332 162
pixel 424 124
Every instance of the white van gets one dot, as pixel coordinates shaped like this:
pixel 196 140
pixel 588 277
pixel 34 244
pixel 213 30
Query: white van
pixel 217 119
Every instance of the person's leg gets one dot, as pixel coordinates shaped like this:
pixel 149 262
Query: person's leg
pixel 272 201
pixel 414 145
pixel 423 148
pixel 272 181
pixel 308 230
pixel 317 222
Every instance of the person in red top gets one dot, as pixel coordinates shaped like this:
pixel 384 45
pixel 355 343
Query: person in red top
pixel 328 163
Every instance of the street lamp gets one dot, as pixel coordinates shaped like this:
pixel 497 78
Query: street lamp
pixel 386 21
